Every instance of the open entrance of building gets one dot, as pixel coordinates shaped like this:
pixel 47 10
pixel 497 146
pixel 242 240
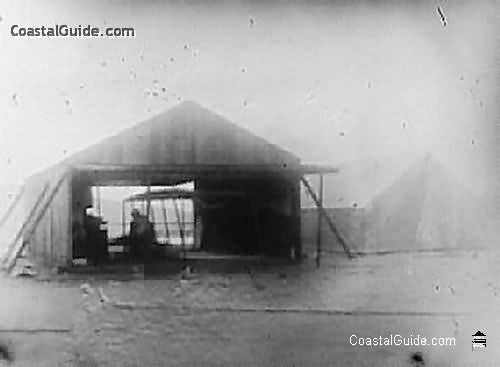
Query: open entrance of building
pixel 106 229
pixel 240 215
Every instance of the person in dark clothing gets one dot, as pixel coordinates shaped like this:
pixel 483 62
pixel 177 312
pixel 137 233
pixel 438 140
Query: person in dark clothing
pixel 141 236
pixel 6 353
pixel 95 238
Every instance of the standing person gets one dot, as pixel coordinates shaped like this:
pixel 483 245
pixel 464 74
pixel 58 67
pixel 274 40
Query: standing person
pixel 92 230
pixel 78 230
pixel 141 236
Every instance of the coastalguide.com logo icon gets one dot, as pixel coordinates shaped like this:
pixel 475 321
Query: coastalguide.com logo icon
pixel 478 340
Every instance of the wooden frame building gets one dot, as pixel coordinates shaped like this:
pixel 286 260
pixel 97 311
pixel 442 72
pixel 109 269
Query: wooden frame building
pixel 186 143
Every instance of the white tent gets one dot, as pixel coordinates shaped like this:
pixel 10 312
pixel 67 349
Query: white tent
pixel 428 208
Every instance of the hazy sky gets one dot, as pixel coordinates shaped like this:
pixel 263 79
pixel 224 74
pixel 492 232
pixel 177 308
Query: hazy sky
pixel 332 82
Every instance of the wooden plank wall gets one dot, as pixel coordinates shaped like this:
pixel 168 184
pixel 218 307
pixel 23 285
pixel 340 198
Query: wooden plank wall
pixel 50 243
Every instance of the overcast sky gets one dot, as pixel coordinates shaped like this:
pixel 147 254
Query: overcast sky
pixel 333 82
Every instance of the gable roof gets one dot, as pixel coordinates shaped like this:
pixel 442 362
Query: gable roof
pixel 187 134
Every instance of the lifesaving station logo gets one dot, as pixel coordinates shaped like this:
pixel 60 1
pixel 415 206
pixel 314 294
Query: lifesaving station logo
pixel 478 340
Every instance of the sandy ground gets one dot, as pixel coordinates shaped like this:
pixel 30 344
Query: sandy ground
pixel 278 316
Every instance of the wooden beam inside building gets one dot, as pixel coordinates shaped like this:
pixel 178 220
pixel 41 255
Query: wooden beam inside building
pixel 98 201
pixel 181 228
pixel 165 220
pixel 148 202
pixel 123 218
pixel 128 174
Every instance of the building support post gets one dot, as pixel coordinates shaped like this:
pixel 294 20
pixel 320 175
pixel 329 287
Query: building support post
pixel 328 220
pixel 181 228
pixel 98 200
pixel 165 220
pixel 320 220
pixel 123 218
pixel 296 218
pixel 148 202
pixel 256 222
